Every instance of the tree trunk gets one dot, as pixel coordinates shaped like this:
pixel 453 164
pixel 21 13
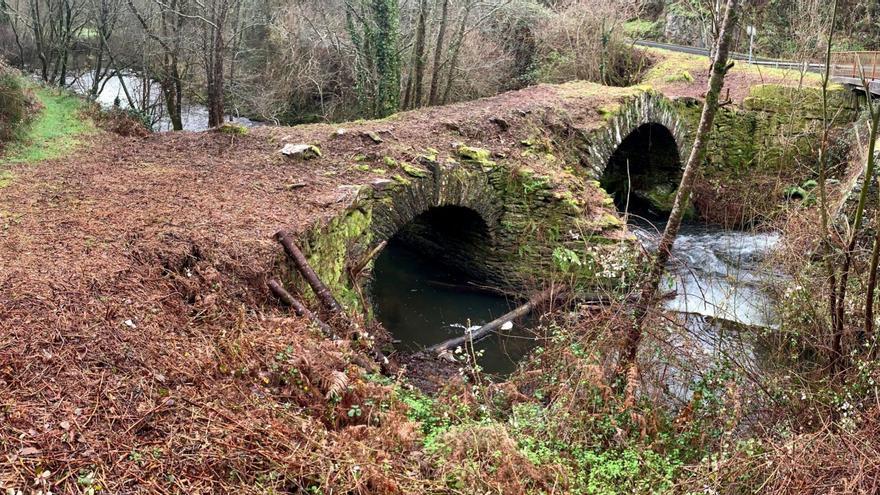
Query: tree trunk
pixel 215 67
pixel 875 251
pixel 838 353
pixel 385 15
pixel 456 50
pixel 299 308
pixel 438 54
pixel 649 291
pixel 823 171
pixel 299 260
pixel 419 56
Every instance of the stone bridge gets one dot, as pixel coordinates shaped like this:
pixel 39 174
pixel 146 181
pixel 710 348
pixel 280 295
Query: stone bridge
pixel 526 187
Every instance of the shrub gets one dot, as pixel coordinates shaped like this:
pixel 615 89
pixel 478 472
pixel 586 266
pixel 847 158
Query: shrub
pixel 17 103
pixel 127 122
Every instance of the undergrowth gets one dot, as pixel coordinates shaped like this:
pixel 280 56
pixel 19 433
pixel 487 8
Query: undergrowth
pixel 561 426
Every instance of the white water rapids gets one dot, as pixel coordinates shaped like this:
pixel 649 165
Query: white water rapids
pixel 718 273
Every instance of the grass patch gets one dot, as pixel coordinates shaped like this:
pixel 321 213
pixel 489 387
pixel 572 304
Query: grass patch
pixel 56 131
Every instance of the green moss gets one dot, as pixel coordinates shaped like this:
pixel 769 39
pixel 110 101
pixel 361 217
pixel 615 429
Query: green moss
pixel 401 179
pixel 662 197
pixel 232 128
pixel 478 156
pixel 431 154
pixel 328 251
pixel 671 64
pixel 413 171
pixel 607 221
pixel 807 101
pixel 609 111
pixel 684 76
pixel 5 178
pixel 389 162
pixel 641 29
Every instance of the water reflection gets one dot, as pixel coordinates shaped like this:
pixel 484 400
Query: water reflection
pixel 413 299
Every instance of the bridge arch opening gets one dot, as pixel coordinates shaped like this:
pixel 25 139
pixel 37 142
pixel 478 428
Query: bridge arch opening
pixel 455 238
pixel 429 283
pixel 644 171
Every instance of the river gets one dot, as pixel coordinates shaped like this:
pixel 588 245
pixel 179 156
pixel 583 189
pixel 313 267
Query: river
pixel 720 278
pixel 194 116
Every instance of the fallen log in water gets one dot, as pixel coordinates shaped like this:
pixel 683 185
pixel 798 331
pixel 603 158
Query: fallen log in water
pixel 487 329
pixel 299 260
pixel 299 308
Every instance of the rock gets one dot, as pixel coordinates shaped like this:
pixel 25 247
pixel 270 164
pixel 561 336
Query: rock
pixel 501 123
pixel 372 136
pixel 340 132
pixel 478 156
pixel 382 184
pixel 413 171
pixel 231 128
pixel 661 197
pixel 683 30
pixel 301 151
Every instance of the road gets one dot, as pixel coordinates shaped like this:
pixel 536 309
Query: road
pixel 763 61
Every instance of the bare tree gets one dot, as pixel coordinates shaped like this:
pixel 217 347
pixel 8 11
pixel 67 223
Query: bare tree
pixel 166 29
pixel 649 291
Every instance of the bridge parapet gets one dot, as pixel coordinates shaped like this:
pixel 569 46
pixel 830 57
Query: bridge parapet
pixel 850 67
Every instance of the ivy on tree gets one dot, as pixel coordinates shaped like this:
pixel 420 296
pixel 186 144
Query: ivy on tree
pixel 374 28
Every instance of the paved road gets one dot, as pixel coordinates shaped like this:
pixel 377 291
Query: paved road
pixel 852 83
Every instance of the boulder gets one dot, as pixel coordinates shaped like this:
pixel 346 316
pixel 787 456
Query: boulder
pixel 301 151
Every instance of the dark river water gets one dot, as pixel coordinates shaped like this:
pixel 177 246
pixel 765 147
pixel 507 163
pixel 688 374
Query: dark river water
pixel 412 302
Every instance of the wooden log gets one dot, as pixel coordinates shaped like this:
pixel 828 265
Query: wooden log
pixel 487 329
pixel 299 308
pixel 325 297
pixel 362 264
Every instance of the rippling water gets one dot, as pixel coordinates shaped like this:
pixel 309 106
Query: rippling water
pixel 195 117
pixel 718 273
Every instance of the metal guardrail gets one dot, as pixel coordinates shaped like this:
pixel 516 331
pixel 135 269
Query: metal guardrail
pixel 742 57
pixel 856 64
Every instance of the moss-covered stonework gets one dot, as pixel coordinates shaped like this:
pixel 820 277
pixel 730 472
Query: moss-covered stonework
pixel 756 148
pixel 529 220
pixel 774 126
pixel 646 107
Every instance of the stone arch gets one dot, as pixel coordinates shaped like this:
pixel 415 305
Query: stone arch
pixel 449 195
pixel 647 108
pixel 445 186
pixel 644 171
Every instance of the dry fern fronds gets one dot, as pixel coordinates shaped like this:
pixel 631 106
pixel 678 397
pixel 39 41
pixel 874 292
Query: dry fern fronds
pixel 335 384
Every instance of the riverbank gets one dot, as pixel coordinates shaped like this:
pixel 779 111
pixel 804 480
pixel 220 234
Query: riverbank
pixel 141 351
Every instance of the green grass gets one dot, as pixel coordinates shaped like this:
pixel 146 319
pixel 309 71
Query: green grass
pixel 56 131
